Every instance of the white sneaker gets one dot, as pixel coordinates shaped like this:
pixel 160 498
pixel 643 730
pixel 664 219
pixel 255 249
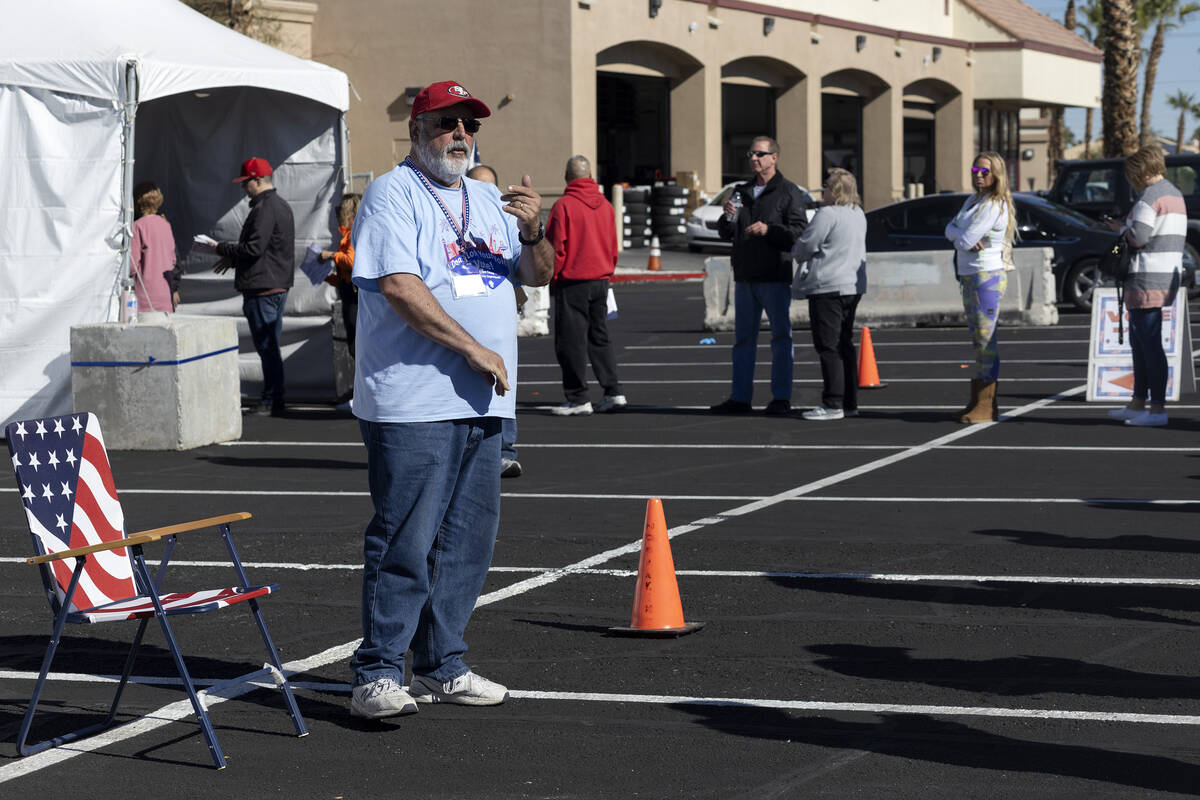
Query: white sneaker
pixel 1124 413
pixel 572 409
pixel 381 698
pixel 823 414
pixel 611 402
pixel 465 690
pixel 1148 419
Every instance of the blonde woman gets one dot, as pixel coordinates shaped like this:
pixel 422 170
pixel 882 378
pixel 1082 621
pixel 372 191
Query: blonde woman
pixel 835 246
pixel 152 253
pixel 981 232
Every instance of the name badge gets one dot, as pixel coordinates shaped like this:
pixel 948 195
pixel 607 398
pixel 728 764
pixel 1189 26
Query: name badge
pixel 468 285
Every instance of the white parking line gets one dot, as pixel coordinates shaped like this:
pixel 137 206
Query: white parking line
pixel 807 706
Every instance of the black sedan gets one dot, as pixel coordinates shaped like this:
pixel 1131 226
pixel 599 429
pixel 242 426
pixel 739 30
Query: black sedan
pixel 1077 240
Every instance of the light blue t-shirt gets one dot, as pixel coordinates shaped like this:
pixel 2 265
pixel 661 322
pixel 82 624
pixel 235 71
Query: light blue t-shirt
pixel 400 375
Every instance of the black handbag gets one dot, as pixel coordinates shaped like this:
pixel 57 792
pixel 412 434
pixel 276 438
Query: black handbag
pixel 1114 263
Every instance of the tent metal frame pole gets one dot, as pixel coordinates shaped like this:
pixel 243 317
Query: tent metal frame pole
pixel 129 114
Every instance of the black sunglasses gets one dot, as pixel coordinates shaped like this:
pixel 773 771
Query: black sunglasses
pixel 759 153
pixel 448 124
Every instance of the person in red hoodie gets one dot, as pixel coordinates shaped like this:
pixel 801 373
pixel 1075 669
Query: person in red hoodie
pixel 583 231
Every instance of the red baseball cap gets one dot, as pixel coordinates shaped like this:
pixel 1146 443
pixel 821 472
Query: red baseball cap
pixel 254 168
pixel 445 94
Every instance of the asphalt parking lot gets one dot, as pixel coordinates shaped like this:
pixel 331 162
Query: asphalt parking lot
pixel 895 605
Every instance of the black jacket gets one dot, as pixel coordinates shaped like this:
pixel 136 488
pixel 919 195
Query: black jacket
pixel 762 259
pixel 263 257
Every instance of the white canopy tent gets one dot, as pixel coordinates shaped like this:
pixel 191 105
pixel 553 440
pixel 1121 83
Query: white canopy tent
pixel 78 79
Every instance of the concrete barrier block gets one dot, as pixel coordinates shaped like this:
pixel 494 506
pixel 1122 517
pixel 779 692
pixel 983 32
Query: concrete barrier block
pixel 165 384
pixel 910 289
pixel 534 318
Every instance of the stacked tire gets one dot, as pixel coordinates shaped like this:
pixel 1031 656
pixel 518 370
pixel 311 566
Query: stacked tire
pixel 635 225
pixel 668 207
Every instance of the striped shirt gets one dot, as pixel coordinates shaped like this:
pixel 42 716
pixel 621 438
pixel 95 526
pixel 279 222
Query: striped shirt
pixel 985 221
pixel 1157 228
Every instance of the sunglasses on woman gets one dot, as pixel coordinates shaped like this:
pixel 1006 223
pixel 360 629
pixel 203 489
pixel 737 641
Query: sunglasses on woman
pixel 448 124
pixel 981 171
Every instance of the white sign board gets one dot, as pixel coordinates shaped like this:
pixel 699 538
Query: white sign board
pixel 1110 362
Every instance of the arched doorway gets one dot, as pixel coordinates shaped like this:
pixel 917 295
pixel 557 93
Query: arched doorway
pixel 637 85
pixel 932 124
pixel 759 98
pixel 858 129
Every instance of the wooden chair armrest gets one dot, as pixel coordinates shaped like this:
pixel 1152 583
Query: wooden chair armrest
pixel 152 535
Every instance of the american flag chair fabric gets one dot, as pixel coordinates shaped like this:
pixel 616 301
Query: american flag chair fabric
pixel 93 572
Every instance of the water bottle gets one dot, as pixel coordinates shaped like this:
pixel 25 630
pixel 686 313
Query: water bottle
pixel 736 199
pixel 129 305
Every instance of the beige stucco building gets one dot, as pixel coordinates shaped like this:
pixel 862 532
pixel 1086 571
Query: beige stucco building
pixel 902 92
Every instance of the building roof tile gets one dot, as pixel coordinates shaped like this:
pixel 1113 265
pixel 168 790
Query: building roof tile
pixel 1028 24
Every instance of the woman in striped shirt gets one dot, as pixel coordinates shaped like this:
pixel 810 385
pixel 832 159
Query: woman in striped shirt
pixel 980 233
pixel 1156 229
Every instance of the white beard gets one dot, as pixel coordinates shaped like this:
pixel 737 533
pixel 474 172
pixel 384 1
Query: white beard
pixel 446 166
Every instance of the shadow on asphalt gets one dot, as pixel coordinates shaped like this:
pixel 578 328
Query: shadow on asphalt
pixel 1117 602
pixel 1017 676
pixel 929 739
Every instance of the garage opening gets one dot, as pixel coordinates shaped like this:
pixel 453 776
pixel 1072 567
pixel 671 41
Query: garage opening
pixel 919 155
pixel 746 112
pixel 633 128
pixel 841 133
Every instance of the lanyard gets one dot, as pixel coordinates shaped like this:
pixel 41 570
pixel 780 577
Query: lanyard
pixel 461 233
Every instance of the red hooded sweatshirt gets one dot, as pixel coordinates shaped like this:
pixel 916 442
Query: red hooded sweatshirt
pixel 583 230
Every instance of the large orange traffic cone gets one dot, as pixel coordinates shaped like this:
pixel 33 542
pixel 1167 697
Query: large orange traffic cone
pixel 655 261
pixel 657 610
pixel 868 374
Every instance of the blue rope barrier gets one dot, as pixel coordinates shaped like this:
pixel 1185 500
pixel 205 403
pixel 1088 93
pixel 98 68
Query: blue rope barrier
pixel 151 361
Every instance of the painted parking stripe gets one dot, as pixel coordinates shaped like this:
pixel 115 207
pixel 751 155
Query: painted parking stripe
pixel 806 706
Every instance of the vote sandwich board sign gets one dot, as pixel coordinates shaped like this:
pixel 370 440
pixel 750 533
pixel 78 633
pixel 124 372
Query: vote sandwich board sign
pixel 1110 362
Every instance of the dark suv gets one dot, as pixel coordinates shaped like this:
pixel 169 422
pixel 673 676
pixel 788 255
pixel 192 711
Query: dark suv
pixel 1097 187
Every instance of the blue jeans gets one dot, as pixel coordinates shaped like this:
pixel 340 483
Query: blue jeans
pixel 265 315
pixel 508 439
pixel 436 491
pixel 750 299
pixel 1149 360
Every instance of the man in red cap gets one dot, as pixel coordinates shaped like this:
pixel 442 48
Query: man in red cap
pixel 263 270
pixel 436 258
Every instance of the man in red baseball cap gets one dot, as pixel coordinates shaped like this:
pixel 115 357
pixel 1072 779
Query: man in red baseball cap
pixel 436 256
pixel 263 270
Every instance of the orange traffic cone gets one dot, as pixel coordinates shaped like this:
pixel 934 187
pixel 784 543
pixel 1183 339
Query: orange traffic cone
pixel 657 610
pixel 655 255
pixel 868 374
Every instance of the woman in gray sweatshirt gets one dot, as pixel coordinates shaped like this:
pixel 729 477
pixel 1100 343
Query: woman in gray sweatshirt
pixel 835 246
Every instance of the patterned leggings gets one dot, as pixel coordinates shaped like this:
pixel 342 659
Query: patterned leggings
pixel 981 294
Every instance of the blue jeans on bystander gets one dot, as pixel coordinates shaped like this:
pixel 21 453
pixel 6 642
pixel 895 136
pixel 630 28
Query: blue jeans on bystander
pixel 265 316
pixel 750 299
pixel 436 491
pixel 1149 359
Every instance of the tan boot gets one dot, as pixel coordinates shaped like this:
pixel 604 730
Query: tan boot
pixel 975 384
pixel 984 409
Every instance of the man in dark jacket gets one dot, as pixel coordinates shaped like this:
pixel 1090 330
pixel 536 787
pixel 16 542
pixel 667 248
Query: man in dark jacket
pixel 263 269
pixel 763 217
pixel 583 230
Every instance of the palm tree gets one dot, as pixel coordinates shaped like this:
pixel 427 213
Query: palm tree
pixel 1185 104
pixel 1054 144
pixel 1092 29
pixel 1165 15
pixel 1118 105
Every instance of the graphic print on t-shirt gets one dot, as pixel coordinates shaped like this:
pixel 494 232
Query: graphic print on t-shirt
pixel 486 260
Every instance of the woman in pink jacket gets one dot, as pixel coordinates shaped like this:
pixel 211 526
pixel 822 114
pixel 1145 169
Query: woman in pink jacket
pixel 152 253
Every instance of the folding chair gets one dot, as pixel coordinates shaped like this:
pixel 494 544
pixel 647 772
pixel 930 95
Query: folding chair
pixel 92 572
